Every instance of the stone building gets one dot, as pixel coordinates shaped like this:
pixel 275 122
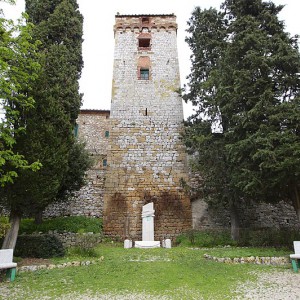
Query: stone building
pixel 146 159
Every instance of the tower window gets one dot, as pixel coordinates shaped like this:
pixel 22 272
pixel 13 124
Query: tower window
pixel 144 44
pixel 104 162
pixel 106 134
pixel 144 74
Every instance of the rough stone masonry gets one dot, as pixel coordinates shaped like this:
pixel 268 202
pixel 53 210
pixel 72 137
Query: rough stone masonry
pixel 146 159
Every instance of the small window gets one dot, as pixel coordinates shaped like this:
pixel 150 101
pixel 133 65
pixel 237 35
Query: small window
pixel 144 44
pixel 104 162
pixel 144 74
pixel 106 134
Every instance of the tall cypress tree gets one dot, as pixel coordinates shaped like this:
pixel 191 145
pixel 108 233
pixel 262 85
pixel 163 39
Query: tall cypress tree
pixel 245 79
pixel 50 136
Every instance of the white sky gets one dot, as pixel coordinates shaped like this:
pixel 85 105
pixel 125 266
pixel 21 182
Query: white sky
pixel 98 45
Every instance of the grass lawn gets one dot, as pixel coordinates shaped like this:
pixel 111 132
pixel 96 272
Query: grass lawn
pixel 177 273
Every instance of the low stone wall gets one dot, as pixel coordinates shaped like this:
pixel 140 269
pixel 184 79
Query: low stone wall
pixel 71 239
pixel 275 261
pixel 33 268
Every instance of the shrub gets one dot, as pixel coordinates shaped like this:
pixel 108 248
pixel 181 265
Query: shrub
pixel 39 246
pixel 262 237
pixel 85 244
pixel 61 224
pixel 269 237
pixel 205 238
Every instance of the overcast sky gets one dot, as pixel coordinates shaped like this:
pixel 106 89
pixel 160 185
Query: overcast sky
pixel 98 45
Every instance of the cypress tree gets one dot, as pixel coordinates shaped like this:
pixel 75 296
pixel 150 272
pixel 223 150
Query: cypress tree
pixel 50 125
pixel 250 90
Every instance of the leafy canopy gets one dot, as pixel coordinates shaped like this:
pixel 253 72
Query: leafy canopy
pixel 18 71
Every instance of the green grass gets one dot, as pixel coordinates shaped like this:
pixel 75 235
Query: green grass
pixel 180 273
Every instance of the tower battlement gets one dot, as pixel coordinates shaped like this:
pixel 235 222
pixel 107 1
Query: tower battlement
pixel 138 23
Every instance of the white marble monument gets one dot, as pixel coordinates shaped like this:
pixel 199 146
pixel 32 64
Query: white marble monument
pixel 147 228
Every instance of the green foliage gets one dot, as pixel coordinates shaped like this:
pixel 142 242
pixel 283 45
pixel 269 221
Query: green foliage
pixel 245 84
pixel 205 238
pixel 4 226
pixel 269 237
pixel 263 237
pixel 78 162
pixel 49 137
pixel 70 224
pixel 86 244
pixel 18 71
pixel 39 246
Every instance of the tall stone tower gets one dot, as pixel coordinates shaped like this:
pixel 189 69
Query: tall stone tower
pixel 146 159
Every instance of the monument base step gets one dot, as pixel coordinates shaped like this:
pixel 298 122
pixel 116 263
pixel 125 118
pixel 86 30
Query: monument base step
pixel 147 244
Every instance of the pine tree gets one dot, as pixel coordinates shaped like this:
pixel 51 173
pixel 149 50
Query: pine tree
pixel 250 90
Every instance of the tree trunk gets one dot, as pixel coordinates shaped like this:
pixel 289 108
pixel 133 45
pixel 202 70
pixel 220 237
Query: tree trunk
pixel 296 201
pixel 38 218
pixel 235 223
pixel 12 234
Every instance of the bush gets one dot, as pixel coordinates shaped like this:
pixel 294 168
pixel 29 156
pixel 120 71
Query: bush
pixel 86 243
pixel 39 246
pixel 205 238
pixel 269 237
pixel 262 237
pixel 61 224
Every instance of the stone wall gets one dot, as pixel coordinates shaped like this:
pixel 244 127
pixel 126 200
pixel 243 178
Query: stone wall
pixel 71 239
pixel 94 129
pixel 253 215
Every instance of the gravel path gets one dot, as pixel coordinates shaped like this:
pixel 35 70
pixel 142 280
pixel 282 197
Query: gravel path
pixel 276 285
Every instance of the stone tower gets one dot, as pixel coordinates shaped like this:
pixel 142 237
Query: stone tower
pixel 146 159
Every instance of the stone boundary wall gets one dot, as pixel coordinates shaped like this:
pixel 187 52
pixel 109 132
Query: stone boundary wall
pixel 274 261
pixel 71 239
pixel 34 268
pixel 251 215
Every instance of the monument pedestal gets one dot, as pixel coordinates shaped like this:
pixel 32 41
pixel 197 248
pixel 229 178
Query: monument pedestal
pixel 147 230
pixel 147 244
